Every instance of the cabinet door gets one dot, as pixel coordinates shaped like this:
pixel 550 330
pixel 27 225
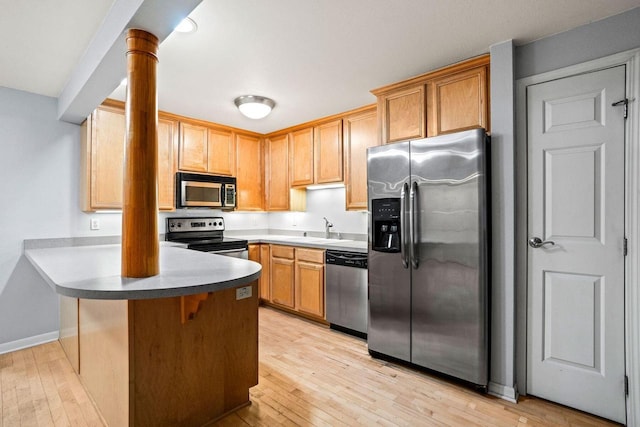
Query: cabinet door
pixel 277 173
pixel 167 163
pixel 107 158
pixel 249 173
pixel 301 155
pixel 221 152
pixel 359 134
pixel 282 282
pixel 328 152
pixel 193 148
pixel 403 114
pixel 310 288
pixel 458 102
pixel 263 282
pixel 254 255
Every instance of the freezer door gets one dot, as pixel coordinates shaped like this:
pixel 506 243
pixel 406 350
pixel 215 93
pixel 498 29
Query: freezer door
pixel 389 330
pixel 449 255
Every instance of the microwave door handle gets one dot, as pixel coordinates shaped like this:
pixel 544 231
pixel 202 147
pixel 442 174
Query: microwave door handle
pixel 403 229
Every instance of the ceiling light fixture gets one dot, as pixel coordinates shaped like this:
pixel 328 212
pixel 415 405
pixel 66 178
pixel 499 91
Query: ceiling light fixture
pixel 187 25
pixel 253 106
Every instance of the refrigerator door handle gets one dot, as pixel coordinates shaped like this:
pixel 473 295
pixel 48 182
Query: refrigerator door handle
pixel 414 212
pixel 403 230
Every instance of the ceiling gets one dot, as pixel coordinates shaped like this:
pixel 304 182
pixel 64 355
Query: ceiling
pixel 314 58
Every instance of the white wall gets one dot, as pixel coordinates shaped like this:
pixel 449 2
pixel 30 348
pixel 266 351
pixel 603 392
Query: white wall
pixel 321 203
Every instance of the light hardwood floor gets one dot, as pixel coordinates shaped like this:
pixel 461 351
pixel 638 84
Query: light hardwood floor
pixel 309 375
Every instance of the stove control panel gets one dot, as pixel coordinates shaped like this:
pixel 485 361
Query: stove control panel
pixel 195 224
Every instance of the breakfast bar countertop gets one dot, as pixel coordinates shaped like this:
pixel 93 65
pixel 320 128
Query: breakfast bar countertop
pixel 93 272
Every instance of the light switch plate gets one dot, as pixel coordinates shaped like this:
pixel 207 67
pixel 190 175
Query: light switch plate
pixel 243 292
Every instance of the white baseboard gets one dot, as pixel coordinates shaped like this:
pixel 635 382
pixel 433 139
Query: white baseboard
pixel 503 392
pixel 8 347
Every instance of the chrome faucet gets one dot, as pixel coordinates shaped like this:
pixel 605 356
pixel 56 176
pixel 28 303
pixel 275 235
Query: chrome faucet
pixel 327 226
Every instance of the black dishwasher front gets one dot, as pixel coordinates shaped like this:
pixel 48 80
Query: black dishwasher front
pixel 346 287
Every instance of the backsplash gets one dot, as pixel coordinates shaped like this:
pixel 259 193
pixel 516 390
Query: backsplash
pixel 320 203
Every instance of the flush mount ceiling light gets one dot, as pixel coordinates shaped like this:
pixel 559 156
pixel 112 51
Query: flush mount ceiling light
pixel 187 25
pixel 254 107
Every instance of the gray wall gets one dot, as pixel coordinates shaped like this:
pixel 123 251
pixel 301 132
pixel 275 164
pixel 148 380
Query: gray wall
pixel 502 381
pixel 596 40
pixel 38 178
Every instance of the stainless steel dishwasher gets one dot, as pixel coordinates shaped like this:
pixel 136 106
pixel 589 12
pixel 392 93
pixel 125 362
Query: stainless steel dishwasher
pixel 346 285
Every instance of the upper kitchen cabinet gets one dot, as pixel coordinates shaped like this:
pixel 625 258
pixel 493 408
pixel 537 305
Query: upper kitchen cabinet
pixel 301 155
pixel 193 148
pixel 221 159
pixel 328 152
pixel 207 149
pixel 458 101
pixel 103 140
pixel 360 133
pixel 450 99
pixel 315 154
pixel 249 175
pixel 102 160
pixel 276 160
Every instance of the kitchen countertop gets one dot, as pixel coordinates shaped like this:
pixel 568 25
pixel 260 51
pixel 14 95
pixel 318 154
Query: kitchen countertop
pixel 93 272
pixel 307 242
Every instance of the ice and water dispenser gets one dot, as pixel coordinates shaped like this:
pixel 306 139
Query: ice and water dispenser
pixel 386 224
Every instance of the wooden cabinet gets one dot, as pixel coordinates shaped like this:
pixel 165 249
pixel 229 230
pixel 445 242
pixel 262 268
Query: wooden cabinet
pixel 450 99
pixel 102 160
pixel 458 102
pixel 282 276
pixel 103 153
pixel 249 164
pixel 207 149
pixel 276 161
pixel 221 152
pixel 315 154
pixel 360 133
pixel 403 113
pixel 328 152
pixel 309 281
pixel 265 278
pixel 193 148
pixel 301 154
pixel 167 162
pixel 297 280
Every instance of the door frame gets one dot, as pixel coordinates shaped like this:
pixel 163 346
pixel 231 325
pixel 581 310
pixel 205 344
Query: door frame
pixel 632 218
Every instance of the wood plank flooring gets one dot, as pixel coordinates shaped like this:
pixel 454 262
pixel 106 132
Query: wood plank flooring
pixel 309 376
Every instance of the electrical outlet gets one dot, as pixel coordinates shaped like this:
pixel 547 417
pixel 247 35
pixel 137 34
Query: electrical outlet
pixel 95 224
pixel 244 292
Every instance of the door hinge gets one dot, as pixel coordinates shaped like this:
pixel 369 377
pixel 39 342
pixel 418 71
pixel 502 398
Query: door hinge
pixel 626 385
pixel 625 247
pixel 624 102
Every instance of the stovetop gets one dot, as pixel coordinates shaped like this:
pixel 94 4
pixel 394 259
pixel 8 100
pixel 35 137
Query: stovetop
pixel 202 234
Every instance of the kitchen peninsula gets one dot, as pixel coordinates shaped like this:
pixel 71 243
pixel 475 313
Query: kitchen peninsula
pixel 176 349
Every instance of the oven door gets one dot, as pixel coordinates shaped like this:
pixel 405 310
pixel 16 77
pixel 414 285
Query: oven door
pixel 201 194
pixel 234 253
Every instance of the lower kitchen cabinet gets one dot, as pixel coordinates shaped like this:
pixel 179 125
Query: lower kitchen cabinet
pixel 310 281
pixel 265 278
pixel 282 276
pixel 297 280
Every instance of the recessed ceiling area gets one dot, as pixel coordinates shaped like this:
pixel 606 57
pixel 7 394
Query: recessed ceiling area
pixel 312 58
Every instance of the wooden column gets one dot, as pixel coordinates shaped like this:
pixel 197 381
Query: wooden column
pixel 140 246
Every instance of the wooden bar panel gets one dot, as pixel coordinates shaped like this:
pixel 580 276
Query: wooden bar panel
pixel 188 375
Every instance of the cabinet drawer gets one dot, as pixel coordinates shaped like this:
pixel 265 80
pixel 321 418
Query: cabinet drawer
pixel 310 255
pixel 282 252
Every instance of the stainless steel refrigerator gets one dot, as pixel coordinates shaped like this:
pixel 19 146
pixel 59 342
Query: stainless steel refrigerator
pixel 429 253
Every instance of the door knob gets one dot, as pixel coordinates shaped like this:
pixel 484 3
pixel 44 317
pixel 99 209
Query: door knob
pixel 536 242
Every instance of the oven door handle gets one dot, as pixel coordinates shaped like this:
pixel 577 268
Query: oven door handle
pixel 228 251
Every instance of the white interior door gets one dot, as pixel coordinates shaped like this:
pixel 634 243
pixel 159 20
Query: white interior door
pixel 575 297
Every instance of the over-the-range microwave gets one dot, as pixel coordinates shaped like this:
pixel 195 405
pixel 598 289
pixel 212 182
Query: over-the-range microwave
pixel 196 190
